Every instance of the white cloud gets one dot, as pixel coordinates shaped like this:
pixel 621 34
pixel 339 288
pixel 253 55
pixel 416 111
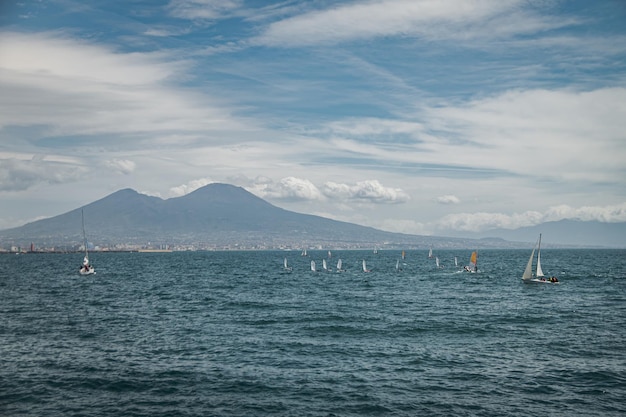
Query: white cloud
pixel 191 186
pixel 122 166
pixel 202 9
pixel 20 175
pixel 288 188
pixel 370 191
pixel 67 87
pixel 442 19
pixel 448 199
pixel 562 134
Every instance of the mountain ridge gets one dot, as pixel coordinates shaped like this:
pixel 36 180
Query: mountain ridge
pixel 224 215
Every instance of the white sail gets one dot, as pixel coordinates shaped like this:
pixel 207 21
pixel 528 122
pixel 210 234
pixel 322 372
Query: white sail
pixel 397 265
pixel 528 272
pixel 539 277
pixel 456 262
pixel 313 266
pixel 285 263
pixel 437 261
pixel 339 265
pixel 430 252
pixel 364 266
pixel 539 271
pixel 324 266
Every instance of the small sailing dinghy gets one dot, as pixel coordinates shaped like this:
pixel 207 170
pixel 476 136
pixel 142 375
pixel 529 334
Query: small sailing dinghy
pixel 473 263
pixel 313 269
pixel 285 266
pixel 86 268
pixel 325 266
pixel 339 264
pixel 539 277
pixel 365 267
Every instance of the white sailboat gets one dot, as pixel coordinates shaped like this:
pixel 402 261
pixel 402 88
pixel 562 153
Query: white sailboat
pixel 285 266
pixel 539 277
pixel 325 265
pixel 313 266
pixel 437 261
pixel 86 268
pixel 365 267
pixel 430 252
pixel 339 264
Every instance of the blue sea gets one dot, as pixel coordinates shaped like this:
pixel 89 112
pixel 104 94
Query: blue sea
pixel 234 334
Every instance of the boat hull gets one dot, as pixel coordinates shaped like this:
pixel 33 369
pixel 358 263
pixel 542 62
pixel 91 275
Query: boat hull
pixel 538 281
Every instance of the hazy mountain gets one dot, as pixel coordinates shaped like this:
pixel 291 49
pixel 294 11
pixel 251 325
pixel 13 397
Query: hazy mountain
pixel 217 214
pixel 222 214
pixel 564 233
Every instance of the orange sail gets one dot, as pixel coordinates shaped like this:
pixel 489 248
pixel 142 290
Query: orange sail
pixel 474 261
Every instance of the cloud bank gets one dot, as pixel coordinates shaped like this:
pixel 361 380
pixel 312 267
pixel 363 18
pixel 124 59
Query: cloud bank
pixel 476 222
pixel 434 20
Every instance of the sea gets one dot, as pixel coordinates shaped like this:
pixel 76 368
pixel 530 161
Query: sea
pixel 234 333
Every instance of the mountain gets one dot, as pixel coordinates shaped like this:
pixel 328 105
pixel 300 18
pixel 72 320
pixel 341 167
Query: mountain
pixel 216 215
pixel 563 233
pixel 222 215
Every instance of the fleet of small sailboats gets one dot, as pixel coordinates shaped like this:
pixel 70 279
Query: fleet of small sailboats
pixel 529 276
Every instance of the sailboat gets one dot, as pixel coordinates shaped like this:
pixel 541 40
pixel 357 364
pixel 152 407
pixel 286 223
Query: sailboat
pixel 398 269
pixel 339 264
pixel 473 263
pixel 430 252
pixel 287 268
pixel 365 267
pixel 437 262
pixel 86 268
pixel 325 266
pixel 313 269
pixel 539 277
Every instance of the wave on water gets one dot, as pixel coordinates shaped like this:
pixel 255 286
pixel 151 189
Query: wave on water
pixel 234 333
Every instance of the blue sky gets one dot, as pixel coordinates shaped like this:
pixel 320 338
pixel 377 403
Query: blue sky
pixel 424 117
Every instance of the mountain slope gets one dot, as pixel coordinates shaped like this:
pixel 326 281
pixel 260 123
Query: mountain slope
pixel 214 214
pixel 564 232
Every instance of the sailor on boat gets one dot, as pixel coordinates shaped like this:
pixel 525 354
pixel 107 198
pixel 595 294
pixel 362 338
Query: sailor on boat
pixel 85 267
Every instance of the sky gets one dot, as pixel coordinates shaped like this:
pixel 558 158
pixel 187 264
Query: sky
pixel 414 116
